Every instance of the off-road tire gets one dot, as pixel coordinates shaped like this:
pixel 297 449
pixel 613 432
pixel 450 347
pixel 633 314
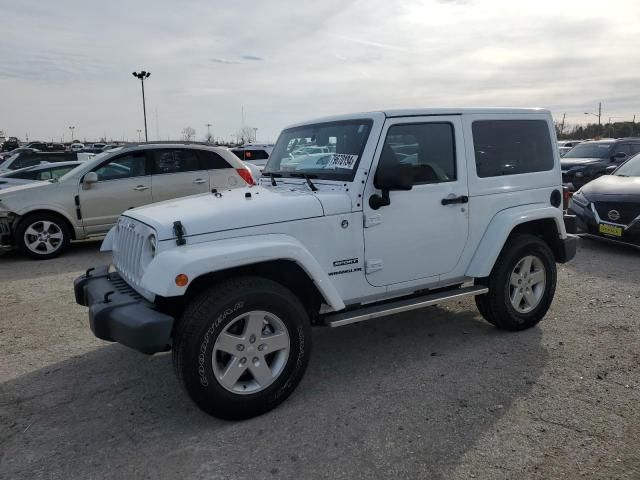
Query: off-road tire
pixel 29 220
pixel 495 306
pixel 208 315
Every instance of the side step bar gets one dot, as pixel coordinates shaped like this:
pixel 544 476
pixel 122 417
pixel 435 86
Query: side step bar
pixel 398 306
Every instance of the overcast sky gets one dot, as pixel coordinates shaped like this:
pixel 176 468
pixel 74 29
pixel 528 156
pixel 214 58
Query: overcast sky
pixel 69 62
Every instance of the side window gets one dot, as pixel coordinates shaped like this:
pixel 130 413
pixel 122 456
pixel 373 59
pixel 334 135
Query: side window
pixel 44 175
pixel 174 161
pixel 60 171
pixel 26 161
pixel 429 148
pixel 212 161
pixel 124 166
pixel 625 147
pixel 509 147
pixel 635 148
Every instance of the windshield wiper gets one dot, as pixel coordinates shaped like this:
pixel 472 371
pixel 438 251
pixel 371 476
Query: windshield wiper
pixel 273 176
pixel 308 178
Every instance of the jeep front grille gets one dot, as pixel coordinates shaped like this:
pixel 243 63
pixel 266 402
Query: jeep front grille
pixel 127 251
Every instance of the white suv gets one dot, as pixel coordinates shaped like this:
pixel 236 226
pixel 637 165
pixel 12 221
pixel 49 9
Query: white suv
pixel 411 208
pixel 42 218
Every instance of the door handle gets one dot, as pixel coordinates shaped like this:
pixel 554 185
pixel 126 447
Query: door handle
pixel 199 180
pixel 452 200
pixel 140 188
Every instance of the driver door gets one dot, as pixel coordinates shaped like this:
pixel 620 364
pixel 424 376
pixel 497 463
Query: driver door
pixel 123 183
pixel 417 236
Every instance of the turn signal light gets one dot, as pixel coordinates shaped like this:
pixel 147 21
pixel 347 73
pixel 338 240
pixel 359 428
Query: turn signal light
pixel 182 280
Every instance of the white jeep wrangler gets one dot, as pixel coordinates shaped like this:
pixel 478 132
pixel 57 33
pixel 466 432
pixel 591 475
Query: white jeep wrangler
pixel 393 211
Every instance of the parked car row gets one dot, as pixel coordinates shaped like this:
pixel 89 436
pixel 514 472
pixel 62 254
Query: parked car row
pixel 42 217
pixel 589 160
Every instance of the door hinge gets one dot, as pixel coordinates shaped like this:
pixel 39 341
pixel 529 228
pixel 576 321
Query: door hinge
pixel 371 266
pixel 372 220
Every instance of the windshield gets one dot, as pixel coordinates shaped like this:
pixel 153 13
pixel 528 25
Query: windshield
pixel 95 159
pixel 631 168
pixel 590 150
pixel 329 151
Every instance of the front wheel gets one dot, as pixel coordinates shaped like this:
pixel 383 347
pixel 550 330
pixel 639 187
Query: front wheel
pixel 242 347
pixel 521 285
pixel 42 236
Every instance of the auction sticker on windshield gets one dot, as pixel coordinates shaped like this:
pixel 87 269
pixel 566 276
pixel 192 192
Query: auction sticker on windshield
pixel 342 160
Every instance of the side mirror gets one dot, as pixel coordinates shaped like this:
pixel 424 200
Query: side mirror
pixel 609 170
pixel 89 178
pixel 618 156
pixel 397 177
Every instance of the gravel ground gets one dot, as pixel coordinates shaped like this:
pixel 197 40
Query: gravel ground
pixel 433 394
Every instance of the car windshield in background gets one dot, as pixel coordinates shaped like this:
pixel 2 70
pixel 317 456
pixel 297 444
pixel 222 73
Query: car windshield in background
pixel 589 150
pixel 631 168
pixel 329 151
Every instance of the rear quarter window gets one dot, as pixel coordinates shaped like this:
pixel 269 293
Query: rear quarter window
pixel 510 147
pixel 212 161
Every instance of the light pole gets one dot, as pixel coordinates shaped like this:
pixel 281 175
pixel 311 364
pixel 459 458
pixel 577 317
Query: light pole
pixel 139 132
pixel 255 134
pixel 142 76
pixel 208 125
pixel 72 128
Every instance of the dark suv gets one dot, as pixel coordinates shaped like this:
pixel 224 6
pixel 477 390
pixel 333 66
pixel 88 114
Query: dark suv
pixel 589 160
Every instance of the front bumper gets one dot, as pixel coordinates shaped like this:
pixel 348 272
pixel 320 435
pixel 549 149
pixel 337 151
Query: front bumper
pixel 587 224
pixel 6 232
pixel 117 313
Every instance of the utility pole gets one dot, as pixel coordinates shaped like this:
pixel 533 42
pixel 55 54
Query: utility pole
pixel 599 113
pixel 208 125
pixel 564 115
pixel 139 132
pixel 142 76
pixel 255 134
pixel 72 128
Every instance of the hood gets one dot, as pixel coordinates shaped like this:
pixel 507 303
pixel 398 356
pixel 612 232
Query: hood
pixel 19 188
pixel 12 182
pixel 623 188
pixel 577 162
pixel 237 208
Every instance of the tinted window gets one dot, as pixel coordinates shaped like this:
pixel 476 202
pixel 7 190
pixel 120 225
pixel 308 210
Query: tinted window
pixel 125 166
pixel 428 148
pixel 509 147
pixel 26 160
pixel 211 160
pixel 174 161
pixel 635 148
pixel 624 147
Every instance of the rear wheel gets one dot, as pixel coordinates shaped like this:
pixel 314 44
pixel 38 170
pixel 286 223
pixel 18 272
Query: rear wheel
pixel 42 235
pixel 521 285
pixel 242 347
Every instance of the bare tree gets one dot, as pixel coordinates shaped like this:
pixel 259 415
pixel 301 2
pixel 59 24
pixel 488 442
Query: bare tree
pixel 188 134
pixel 245 134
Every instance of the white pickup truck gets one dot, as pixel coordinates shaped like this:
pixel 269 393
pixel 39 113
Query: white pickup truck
pixel 395 211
